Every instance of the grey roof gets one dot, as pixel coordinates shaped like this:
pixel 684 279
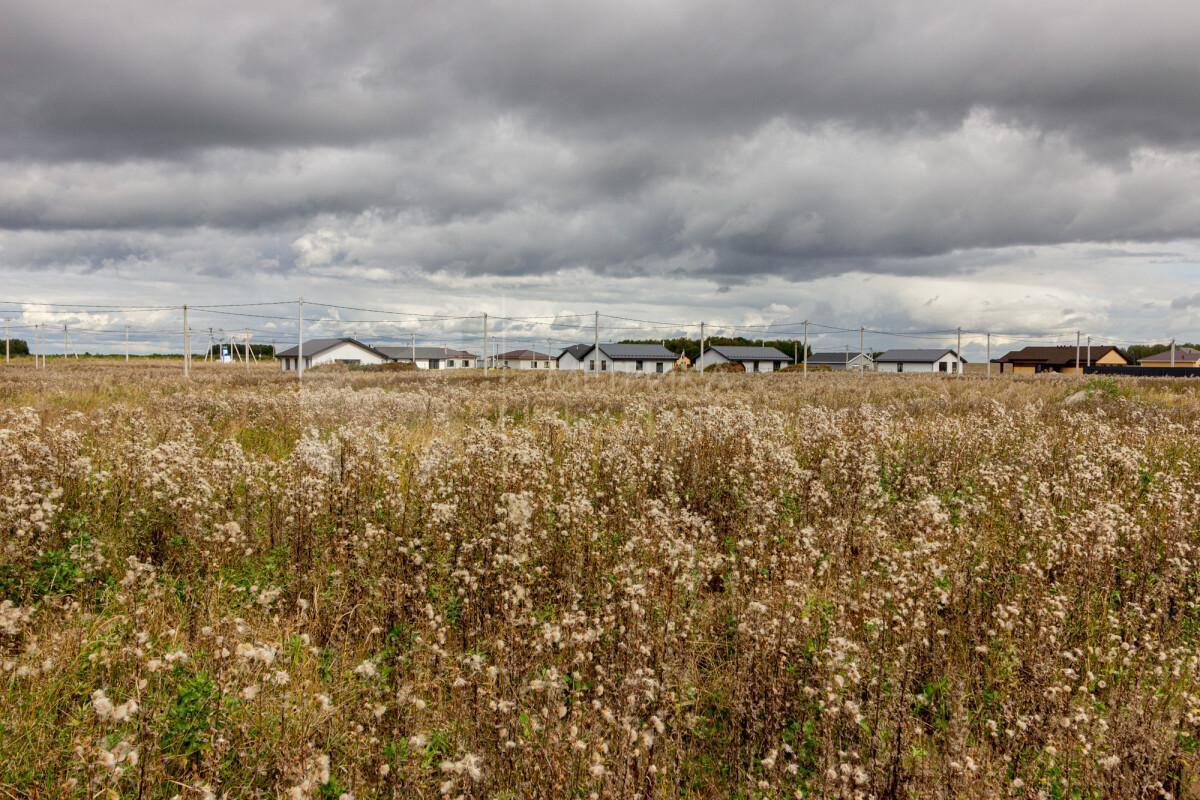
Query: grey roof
pixel 920 356
pixel 835 358
pixel 524 355
pixel 636 352
pixel 578 351
pixel 1181 354
pixel 404 352
pixel 747 353
pixel 314 347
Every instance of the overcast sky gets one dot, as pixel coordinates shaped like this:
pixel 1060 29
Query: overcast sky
pixel 1016 166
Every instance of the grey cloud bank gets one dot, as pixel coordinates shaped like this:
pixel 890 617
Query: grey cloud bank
pixel 591 152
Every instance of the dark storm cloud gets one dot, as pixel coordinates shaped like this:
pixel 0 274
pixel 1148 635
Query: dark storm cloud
pixel 636 139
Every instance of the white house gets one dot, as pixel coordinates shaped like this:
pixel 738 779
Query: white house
pixel 326 351
pixel 945 361
pixel 574 357
pixel 754 359
pixel 524 359
pixel 428 357
pixel 637 359
pixel 840 361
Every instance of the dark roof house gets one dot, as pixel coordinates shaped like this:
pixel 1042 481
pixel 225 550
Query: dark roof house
pixel 1056 358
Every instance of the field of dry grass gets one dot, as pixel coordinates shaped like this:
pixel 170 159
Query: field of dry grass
pixel 399 585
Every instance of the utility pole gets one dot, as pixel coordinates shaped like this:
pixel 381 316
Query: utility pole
pixel 1078 354
pixel 485 345
pixel 795 353
pixel 846 366
pixel 208 352
pixel 958 353
pixel 187 346
pixel 596 343
pixel 246 349
pixel 805 347
pixel 413 344
pixel 126 344
pixel 300 341
pixel 6 323
pixel 861 332
pixel 989 355
pixel 701 348
pixel 66 342
pixel 1089 350
pixel 1172 351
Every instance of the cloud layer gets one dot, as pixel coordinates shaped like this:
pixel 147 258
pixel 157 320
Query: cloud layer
pixel 577 153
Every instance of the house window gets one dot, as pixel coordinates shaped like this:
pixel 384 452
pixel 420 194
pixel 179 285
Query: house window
pixel 658 367
pixel 603 365
pixel 638 366
pixel 533 365
pixel 900 367
pixel 942 366
pixel 506 363
pixel 756 366
pixel 592 365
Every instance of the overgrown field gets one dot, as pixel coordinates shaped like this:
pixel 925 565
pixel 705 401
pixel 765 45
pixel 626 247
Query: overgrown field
pixel 397 585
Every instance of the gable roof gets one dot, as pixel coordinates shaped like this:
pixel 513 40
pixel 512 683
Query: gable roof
pixel 524 355
pixel 1057 355
pixel 836 358
pixel 404 352
pixel 577 351
pixel 735 352
pixel 315 347
pixel 1181 354
pixel 919 356
pixel 619 351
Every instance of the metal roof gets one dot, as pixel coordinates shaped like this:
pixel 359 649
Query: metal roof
pixel 640 352
pixel 748 353
pixel 919 356
pixel 314 347
pixel 404 352
pixel 578 351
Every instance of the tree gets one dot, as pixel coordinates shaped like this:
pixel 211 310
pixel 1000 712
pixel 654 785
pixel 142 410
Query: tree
pixel 18 347
pixel 1139 351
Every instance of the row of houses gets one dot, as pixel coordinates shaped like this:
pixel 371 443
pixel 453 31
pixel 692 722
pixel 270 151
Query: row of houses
pixel 612 357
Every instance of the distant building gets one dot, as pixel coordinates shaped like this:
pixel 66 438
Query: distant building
pixel 924 360
pixel 524 359
pixel 1059 358
pixel 753 359
pixel 639 359
pixel 330 351
pixel 1184 357
pixel 841 361
pixel 428 357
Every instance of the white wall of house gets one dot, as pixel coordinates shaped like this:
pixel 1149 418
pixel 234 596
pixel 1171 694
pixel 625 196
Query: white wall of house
pixel 523 363
pixel 345 353
pixel 568 361
pixel 649 366
pixel 953 365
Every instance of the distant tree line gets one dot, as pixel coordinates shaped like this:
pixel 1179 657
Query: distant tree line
pixel 691 347
pixel 260 350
